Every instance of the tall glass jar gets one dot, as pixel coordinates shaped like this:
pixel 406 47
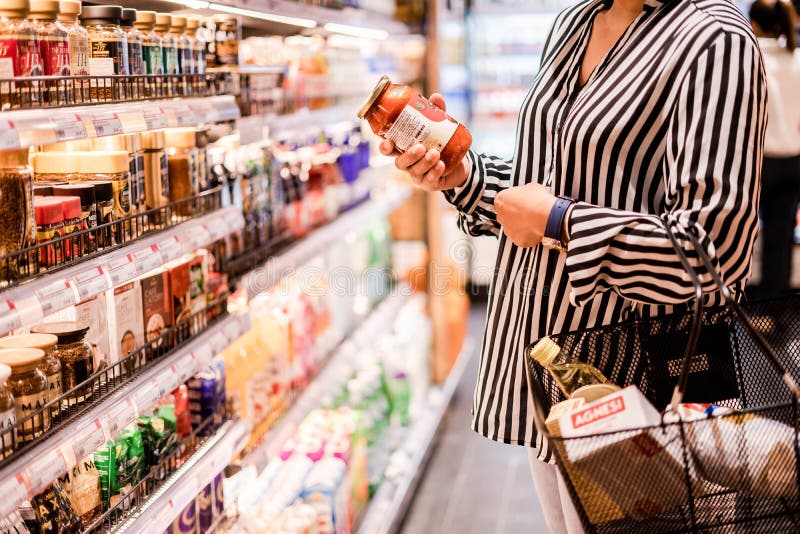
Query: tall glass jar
pixel 20 55
pixel 77 359
pixel 28 385
pixel 78 44
pixel 156 174
pixel 111 166
pixel 197 44
pixel 185 57
pixel 182 160
pixel 135 54
pixel 16 206
pixel 53 37
pixel 152 48
pixel 50 366
pixel 130 143
pixel 169 43
pixel 108 51
pixel 8 414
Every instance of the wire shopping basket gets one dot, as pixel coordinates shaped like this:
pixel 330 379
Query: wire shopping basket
pixel 729 473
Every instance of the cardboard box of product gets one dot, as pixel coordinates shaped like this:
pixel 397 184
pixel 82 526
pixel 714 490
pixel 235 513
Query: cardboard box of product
pixel 180 298
pixel 640 470
pixel 125 327
pixel 156 310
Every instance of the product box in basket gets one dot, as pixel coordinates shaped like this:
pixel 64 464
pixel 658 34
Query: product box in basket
pixel 125 327
pixel 641 470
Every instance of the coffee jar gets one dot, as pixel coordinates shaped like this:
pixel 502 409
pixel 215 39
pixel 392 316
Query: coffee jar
pixel 21 57
pixel 108 50
pixel 8 414
pixel 76 357
pixel 28 385
pixel 112 166
pixel 16 204
pixel 50 366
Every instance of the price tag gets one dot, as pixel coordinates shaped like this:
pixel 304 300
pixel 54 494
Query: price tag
pixel 185 367
pixel 170 249
pixel 55 297
pixel 69 126
pixel 203 356
pixel 90 283
pixel 162 386
pixel 107 124
pixel 88 439
pixel 185 115
pixel 203 111
pixel 9 136
pixel 147 395
pixel 217 231
pixel 218 343
pixel 9 317
pixel 121 270
pixel 147 259
pixel 155 118
pixel 120 416
pixel 233 220
pixel 199 236
pixel 12 493
pixel 45 469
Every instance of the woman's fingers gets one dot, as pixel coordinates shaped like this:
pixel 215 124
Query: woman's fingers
pixel 386 147
pixel 425 164
pixel 438 101
pixel 433 178
pixel 410 157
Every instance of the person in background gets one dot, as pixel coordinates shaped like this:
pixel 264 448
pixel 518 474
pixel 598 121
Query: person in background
pixel 773 24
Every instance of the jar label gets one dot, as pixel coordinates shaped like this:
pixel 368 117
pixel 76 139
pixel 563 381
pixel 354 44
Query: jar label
pixel 53 386
pixel 114 50
pixel 25 55
pixel 186 60
pixel 421 122
pixel 27 405
pixel 8 419
pixel 56 56
pixel 78 54
pixel 135 58
pixel 153 58
pixel 171 65
pixel 122 197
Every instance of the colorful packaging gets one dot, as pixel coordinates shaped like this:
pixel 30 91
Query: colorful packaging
pixel 136 466
pixel 82 486
pixel 197 288
pixel 125 326
pixel 205 509
pixel 186 523
pixel 159 434
pixel 219 496
pixel 180 296
pixel 157 310
pixel 111 460
pixel 207 397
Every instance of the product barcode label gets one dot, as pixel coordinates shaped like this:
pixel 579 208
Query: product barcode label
pixel 107 124
pixel 147 260
pixel 120 416
pixel 88 439
pixel 55 297
pixel 169 249
pixel 45 469
pixel 12 493
pixel 155 118
pixel 91 283
pixel 9 136
pixel 69 126
pixel 9 317
pixel 121 270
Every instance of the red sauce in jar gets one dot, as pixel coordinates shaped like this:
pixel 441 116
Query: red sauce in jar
pixel 403 116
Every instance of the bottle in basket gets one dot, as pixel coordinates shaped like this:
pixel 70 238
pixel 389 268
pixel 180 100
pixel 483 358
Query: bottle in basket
pixel 569 374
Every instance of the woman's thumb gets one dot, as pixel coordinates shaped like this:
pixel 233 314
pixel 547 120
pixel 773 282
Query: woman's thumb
pixel 438 101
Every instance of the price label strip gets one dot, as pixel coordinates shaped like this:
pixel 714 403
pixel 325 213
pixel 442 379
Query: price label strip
pixel 185 115
pixel 69 126
pixel 199 236
pixel 90 283
pixel 147 259
pixel 9 136
pixel 45 469
pixel 155 118
pixel 107 124
pixel 170 249
pixel 147 395
pixel 55 297
pixel 219 343
pixel 12 493
pixel 9 317
pixel 121 270
pixel 88 439
pixel 120 416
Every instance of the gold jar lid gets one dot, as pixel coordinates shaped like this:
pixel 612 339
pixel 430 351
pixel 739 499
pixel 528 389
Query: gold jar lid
pixel 145 19
pixel 21 360
pixel 163 21
pixel 80 145
pixel 180 137
pixel 71 9
pixel 55 162
pixel 104 162
pixel 29 341
pixel 14 9
pixel 178 24
pixel 376 92
pixel 153 140
pixel 43 9
pixel 192 23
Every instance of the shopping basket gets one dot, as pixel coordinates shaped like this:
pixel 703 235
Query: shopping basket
pixel 733 473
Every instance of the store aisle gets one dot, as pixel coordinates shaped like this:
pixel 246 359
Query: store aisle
pixel 473 485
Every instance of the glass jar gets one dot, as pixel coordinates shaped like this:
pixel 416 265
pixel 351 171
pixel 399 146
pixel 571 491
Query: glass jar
pixel 227 37
pixel 28 385
pixel 104 197
pixel 85 192
pixel 182 160
pixel 20 54
pixel 152 48
pixel 156 174
pixel 402 115
pixel 8 414
pixel 55 166
pixel 201 142
pixel 197 44
pixel 74 246
pixel 78 45
pixel 168 42
pixel 49 227
pixel 16 205
pixel 185 57
pixel 77 359
pixel 135 54
pixel 108 50
pixel 53 37
pixel 116 165
pixel 50 366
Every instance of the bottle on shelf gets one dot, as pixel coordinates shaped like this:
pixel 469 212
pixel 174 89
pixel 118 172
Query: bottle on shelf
pixel 77 42
pixel 170 45
pixel 108 51
pixel 21 57
pixel 185 57
pixel 135 57
pixel 197 44
pixel 570 374
pixel 152 47
pixel 54 43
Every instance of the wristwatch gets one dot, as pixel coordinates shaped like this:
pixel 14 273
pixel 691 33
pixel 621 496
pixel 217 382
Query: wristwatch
pixel 555 224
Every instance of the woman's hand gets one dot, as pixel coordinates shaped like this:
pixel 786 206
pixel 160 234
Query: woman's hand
pixel 426 168
pixel 523 211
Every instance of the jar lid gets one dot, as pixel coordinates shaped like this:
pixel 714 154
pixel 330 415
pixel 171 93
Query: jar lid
pixel 55 162
pixel 67 332
pixel 14 8
pixel 163 20
pixel 128 17
pixel 29 341
pixel 70 7
pixel 153 140
pixel 70 207
pixel 79 145
pixel 5 372
pixel 109 142
pixel 83 191
pixel 21 360
pixel 104 162
pixel 10 159
pixel 192 23
pixel 180 137
pixel 47 210
pixel 103 191
pixel 226 18
pixel 146 18
pixel 101 14
pixel 43 190
pixel 376 92
pixel 178 24
pixel 43 9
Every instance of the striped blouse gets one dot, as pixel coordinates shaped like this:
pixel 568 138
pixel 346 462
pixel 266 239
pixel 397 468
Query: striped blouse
pixel 669 127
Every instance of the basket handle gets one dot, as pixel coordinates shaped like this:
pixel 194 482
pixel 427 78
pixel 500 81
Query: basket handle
pixel 697 323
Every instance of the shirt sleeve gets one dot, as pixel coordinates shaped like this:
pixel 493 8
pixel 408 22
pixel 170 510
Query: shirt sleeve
pixel 711 169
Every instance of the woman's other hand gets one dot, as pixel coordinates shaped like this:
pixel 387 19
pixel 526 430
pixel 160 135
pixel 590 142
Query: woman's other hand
pixel 425 167
pixel 523 211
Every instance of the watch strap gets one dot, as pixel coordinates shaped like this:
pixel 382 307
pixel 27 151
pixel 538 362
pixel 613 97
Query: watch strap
pixel 555 221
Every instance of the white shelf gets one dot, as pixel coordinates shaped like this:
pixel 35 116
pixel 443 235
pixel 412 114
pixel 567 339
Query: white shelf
pixel 387 508
pixel 255 127
pixel 27 304
pixel 25 128
pixel 184 485
pixel 30 473
pixel 298 254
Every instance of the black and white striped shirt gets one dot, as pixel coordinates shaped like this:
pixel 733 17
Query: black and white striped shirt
pixel 669 127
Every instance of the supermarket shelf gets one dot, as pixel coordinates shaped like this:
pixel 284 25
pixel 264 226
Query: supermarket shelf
pixel 387 508
pixel 32 472
pixel 27 304
pixel 24 128
pixel 253 128
pixel 184 485
pixel 298 254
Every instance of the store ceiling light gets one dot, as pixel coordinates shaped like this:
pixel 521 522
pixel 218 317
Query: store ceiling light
pixel 357 31
pixel 271 17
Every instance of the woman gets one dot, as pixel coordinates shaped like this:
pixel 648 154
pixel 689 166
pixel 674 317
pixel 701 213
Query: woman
pixel 780 179
pixel 643 114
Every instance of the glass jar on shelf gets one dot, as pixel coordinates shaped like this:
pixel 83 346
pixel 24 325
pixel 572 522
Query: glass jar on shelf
pixel 21 58
pixel 185 58
pixel 108 51
pixel 28 385
pixel 77 359
pixel 8 414
pixel 50 366
pixel 78 46
pixel 54 45
pixel 16 207
pixel 168 42
pixel 135 56
pixel 182 161
pixel 152 47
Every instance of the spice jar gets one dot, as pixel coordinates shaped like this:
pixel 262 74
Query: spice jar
pixel 77 36
pixel 75 354
pixel 152 48
pixel 53 37
pixel 28 385
pixel 20 56
pixel 104 198
pixel 8 414
pixel 85 192
pixel 73 246
pixel 198 46
pixel 55 166
pixel 16 205
pixel 108 50
pixel 182 160
pixel 111 166
pixel 49 227
pixel 168 42
pixel 156 174
pixel 177 29
pixel 228 35
pixel 400 114
pixel 50 366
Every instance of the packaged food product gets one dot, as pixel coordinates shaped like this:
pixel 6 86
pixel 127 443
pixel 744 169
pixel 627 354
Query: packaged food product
pixel 152 49
pixel 159 433
pixel 112 166
pixel 82 486
pixel 219 496
pixel 125 324
pixel 186 522
pixel 8 414
pixel 104 195
pixel 21 57
pixel 228 35
pixel 54 166
pixel 111 460
pixel 72 212
pixel 156 174
pixel 406 118
pixel 157 310
pixel 207 397
pixel 185 56
pixel 54 512
pixel 28 385
pixel 197 291
pixel 88 220
pixel 198 46
pixel 183 163
pixel 205 509
pixel 78 42
pixel 108 49
pixel 49 228
pixel 180 297
pixel 135 460
pixel 51 366
pixel 76 356
pixel 54 43
pixel 16 190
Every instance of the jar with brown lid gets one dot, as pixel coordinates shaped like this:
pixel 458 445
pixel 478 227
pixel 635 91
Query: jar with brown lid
pixel 87 243
pixel 108 50
pixel 76 356
pixel 55 166
pixel 8 414
pixel 16 204
pixel 182 161
pixel 156 174
pixel 50 366
pixel 152 47
pixel 111 166
pixel 104 197
pixel 28 385
pixel 197 44
pixel 168 43
pixel 20 54
pixel 228 35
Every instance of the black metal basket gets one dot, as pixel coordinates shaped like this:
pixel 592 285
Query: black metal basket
pixel 728 473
